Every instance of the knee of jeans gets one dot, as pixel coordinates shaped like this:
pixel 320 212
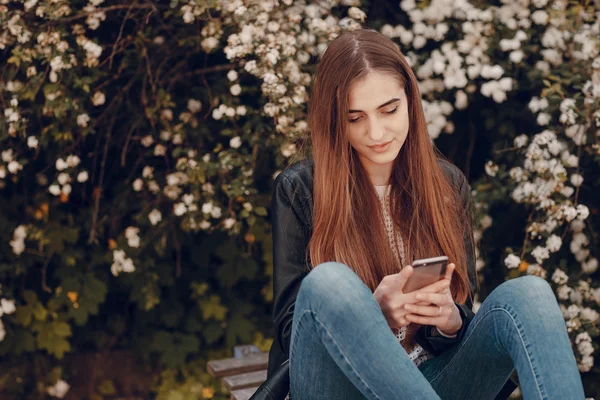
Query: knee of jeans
pixel 528 289
pixel 332 283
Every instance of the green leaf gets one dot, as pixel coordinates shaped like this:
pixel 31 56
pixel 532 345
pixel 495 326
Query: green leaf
pixel 212 332
pixel 23 315
pixel 171 313
pixel 174 347
pixel 19 342
pixel 212 308
pixel 193 323
pixel 48 339
pixel 239 327
pixel 62 329
pixel 107 388
pixel 261 211
pixel 39 312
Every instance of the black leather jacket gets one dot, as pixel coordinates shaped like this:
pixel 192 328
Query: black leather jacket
pixel 291 217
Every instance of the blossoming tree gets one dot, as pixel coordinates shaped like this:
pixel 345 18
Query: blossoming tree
pixel 139 141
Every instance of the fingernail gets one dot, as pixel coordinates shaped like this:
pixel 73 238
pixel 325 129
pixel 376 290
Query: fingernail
pixel 419 296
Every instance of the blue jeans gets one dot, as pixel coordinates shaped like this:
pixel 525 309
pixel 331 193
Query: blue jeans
pixel 342 347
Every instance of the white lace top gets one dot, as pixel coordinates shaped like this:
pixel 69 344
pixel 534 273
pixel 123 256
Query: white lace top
pixel 417 354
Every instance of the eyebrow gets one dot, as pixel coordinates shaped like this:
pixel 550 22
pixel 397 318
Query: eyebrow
pixel 381 106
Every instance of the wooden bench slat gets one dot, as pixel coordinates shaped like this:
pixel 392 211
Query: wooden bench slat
pixel 234 366
pixel 243 394
pixel 246 380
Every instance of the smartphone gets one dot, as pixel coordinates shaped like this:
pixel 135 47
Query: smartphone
pixel 425 272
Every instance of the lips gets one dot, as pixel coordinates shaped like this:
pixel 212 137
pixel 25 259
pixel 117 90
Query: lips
pixel 380 146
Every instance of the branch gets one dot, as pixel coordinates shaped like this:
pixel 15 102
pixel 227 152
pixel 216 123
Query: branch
pixel 104 9
pixel 45 287
pixel 112 54
pixel 98 191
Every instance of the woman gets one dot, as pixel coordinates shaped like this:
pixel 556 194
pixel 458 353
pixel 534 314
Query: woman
pixel 346 226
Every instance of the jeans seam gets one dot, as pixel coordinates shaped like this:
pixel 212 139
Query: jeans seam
pixel 293 344
pixel 352 368
pixel 533 369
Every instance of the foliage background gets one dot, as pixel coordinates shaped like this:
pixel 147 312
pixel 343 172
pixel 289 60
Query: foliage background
pixel 139 141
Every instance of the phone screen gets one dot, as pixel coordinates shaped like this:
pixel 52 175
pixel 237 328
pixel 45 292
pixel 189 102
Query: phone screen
pixel 426 272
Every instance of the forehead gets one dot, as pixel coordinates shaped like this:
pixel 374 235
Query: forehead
pixel 372 90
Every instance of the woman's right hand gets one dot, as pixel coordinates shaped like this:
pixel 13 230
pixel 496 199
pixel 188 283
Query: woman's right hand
pixel 391 297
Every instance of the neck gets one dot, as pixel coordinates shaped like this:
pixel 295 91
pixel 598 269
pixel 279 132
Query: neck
pixel 379 173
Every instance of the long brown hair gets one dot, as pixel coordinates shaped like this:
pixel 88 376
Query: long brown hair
pixel 347 217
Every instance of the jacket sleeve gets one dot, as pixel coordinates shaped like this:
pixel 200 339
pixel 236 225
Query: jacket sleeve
pixel 427 335
pixel 290 261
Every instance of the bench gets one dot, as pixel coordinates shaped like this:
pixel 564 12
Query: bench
pixel 242 374
pixel 247 370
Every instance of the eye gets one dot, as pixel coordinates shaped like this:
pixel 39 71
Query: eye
pixel 392 111
pixel 352 120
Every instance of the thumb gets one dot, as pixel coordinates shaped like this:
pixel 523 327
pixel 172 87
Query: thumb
pixel 403 276
pixel 450 271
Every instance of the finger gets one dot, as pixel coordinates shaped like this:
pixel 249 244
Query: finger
pixel 438 287
pixel 435 287
pixel 427 311
pixel 450 271
pixel 422 320
pixel 438 299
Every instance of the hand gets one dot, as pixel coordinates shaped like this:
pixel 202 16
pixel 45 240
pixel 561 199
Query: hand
pixel 392 300
pixel 441 310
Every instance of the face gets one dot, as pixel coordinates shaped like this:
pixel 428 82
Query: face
pixel 377 122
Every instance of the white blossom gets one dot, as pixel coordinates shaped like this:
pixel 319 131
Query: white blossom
pixel 155 216
pixel 582 212
pixel 61 164
pixel 179 209
pixel 215 212
pixel 160 150
pixel 121 263
pixel 590 266
pixel 512 261
pixel 54 190
pixel 543 119
pixel 7 306
pixel 540 254
pixel 240 110
pixel 131 233
pixel 554 243
pixel 217 114
pixel 63 178
pixel 228 223
pixel 82 177
pixel 98 99
pixel 207 208
pixel 576 180
pixel 194 106
pixel 236 89
pixel 147 171
pixel 32 142
pixel 14 167
pixel 232 75
pixel 73 161
pixel 235 142
pixel 559 277
pixel 82 120
pixel 59 389
pixel 138 185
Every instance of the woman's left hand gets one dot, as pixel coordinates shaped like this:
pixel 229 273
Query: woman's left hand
pixel 440 310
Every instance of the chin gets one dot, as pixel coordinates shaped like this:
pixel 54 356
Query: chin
pixel 383 159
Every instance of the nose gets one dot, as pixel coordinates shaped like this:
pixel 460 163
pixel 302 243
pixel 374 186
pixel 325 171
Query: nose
pixel 376 129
